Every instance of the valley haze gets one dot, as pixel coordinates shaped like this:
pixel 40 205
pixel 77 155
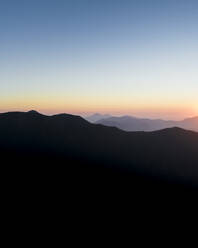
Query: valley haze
pixel 130 123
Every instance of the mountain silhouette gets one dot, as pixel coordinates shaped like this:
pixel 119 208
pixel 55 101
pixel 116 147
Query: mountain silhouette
pixel 71 145
pixel 96 117
pixel 129 123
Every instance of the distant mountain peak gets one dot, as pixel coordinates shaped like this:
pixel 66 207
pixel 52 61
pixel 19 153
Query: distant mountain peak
pixel 195 118
pixel 96 117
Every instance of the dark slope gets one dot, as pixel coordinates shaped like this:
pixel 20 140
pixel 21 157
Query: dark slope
pixel 71 146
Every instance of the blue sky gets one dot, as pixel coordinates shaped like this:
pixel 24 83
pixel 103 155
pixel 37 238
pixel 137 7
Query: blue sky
pixel 112 56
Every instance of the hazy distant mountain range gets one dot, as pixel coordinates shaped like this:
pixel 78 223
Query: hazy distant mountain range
pixel 69 147
pixel 130 123
pixel 96 117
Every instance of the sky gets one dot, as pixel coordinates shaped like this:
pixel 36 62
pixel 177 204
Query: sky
pixel 137 57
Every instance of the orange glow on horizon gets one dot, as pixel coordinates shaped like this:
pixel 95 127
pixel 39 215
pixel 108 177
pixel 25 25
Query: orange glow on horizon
pixel 85 105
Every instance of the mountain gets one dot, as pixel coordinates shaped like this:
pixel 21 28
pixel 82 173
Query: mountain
pixel 68 146
pixel 96 117
pixel 189 124
pixel 129 123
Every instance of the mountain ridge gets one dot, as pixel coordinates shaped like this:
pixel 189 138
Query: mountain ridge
pixel 130 123
pixel 170 154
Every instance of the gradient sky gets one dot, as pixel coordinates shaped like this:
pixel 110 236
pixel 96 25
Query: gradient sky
pixel 112 56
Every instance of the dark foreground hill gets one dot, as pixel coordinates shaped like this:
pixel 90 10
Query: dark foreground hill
pixel 63 148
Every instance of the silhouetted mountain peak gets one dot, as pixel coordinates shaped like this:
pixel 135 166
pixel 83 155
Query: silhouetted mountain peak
pixel 33 112
pixel 71 118
pixel 175 130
